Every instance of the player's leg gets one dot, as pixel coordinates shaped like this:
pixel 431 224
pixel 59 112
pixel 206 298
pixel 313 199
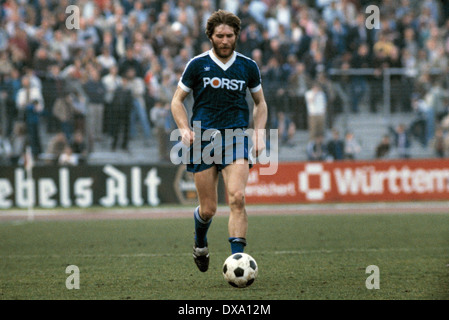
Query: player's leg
pixel 235 177
pixel 206 185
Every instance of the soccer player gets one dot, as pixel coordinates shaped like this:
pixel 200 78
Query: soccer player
pixel 218 80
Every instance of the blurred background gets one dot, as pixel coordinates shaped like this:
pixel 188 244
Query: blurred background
pixel 93 83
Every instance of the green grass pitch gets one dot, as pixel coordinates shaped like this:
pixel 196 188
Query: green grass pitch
pixel 300 257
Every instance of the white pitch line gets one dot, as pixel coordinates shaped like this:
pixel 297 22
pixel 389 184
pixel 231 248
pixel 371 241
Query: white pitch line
pixel 224 209
pixel 160 255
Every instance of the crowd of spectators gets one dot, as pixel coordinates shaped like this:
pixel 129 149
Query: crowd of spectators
pixel 61 79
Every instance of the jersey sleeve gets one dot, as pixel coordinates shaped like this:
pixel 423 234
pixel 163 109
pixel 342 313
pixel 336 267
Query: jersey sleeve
pixel 255 80
pixel 187 80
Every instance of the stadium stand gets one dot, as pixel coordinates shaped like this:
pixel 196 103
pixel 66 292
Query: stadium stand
pixel 373 78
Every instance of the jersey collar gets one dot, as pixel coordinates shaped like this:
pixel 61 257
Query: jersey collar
pixel 224 66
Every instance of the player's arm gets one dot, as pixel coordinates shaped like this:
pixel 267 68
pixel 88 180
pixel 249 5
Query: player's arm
pixel 179 113
pixel 260 119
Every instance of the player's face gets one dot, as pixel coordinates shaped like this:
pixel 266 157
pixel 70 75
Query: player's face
pixel 223 41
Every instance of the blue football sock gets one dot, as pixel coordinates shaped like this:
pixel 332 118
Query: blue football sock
pixel 201 228
pixel 237 244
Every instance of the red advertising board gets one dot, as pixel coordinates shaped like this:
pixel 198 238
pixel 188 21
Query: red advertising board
pixel 350 181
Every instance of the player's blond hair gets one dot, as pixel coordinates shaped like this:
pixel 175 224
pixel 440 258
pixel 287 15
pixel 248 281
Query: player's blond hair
pixel 223 17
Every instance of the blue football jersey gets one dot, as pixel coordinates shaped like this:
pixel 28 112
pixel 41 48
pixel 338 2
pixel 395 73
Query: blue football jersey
pixel 219 90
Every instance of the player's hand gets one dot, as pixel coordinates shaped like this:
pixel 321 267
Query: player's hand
pixel 187 136
pixel 258 142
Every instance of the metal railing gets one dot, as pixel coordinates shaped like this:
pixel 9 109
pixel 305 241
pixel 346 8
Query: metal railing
pixel 385 74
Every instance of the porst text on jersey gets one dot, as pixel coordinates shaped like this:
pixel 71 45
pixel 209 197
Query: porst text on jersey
pixel 224 83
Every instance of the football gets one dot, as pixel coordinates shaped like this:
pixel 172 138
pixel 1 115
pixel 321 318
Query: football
pixel 240 270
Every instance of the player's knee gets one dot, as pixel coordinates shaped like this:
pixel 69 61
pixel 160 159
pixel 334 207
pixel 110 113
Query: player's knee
pixel 237 199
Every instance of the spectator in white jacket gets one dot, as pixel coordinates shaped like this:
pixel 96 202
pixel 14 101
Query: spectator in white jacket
pixel 27 94
pixel 316 110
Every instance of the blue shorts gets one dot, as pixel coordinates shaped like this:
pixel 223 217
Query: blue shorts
pixel 219 148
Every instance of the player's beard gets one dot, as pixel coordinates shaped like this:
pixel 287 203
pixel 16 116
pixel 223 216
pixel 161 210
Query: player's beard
pixel 220 52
